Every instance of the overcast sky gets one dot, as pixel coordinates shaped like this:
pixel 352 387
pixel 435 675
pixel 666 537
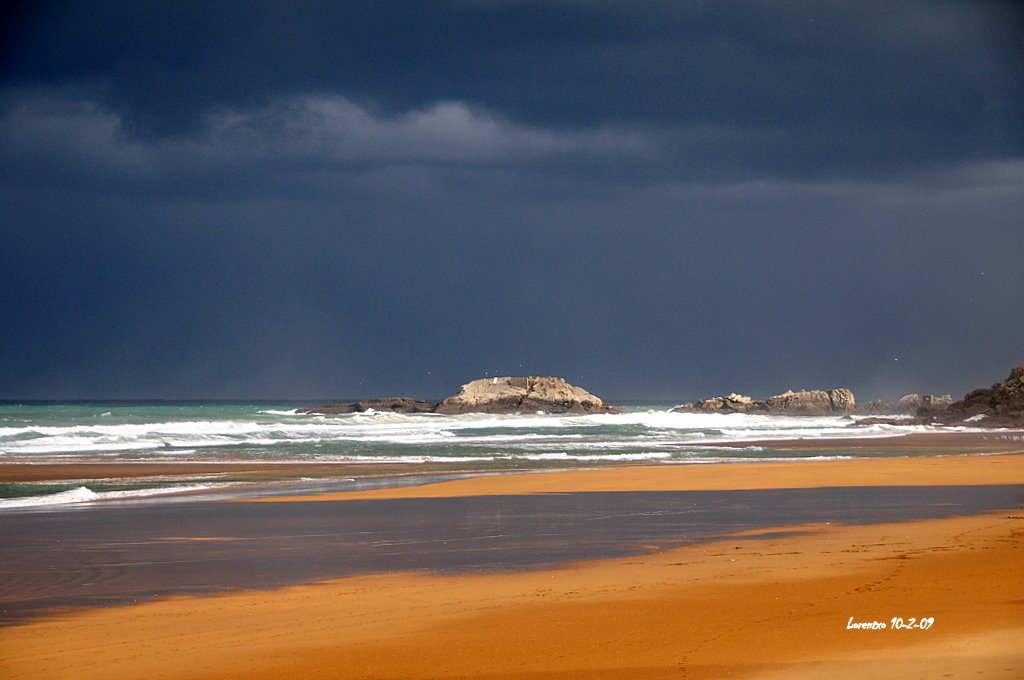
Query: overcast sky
pixel 655 199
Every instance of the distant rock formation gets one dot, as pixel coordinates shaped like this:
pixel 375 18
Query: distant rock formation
pixel 523 395
pixel 912 403
pixel 804 403
pixel 908 404
pixel 392 404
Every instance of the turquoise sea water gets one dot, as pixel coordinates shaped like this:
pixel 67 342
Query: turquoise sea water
pixel 235 432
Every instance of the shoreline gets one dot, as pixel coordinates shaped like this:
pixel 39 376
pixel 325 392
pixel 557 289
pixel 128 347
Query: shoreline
pixel 936 444
pixel 770 601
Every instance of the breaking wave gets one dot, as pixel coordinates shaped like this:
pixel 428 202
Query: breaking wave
pixel 84 494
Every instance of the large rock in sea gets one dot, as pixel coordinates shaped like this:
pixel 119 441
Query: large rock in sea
pixel 392 404
pixel 812 402
pixel 523 395
pixel 802 403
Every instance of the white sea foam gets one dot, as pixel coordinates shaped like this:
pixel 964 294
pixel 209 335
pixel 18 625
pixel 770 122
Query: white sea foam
pixel 413 437
pixel 414 459
pixel 620 457
pixel 84 494
pixel 80 495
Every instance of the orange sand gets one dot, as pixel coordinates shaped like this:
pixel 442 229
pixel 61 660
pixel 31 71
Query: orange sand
pixel 767 607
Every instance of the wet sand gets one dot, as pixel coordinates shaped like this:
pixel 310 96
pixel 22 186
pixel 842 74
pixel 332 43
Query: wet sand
pixel 774 598
pixel 113 554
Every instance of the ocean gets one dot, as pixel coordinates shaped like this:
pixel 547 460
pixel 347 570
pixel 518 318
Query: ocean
pixel 215 432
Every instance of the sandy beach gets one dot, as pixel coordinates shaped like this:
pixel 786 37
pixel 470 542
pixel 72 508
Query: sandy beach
pixel 773 601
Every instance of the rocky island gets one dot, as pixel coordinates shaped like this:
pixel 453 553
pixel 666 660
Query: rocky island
pixel 523 395
pixel 838 400
pixel 506 395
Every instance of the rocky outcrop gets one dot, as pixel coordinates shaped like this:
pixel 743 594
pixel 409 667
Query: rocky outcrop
pixel 1001 405
pixel 802 403
pixel 523 395
pixel 392 404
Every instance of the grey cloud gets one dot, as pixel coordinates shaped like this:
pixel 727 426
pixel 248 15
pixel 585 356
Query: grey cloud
pixel 40 130
pixel 41 133
pixel 333 127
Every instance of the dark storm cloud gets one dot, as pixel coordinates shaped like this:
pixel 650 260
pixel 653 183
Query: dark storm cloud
pixel 781 87
pixel 653 199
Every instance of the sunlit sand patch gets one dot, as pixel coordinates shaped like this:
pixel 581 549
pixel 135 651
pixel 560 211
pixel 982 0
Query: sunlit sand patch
pixel 201 538
pixel 774 532
pixel 896 471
